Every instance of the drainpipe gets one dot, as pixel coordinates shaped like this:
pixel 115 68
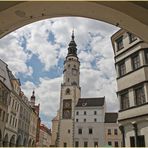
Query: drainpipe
pixel 123 135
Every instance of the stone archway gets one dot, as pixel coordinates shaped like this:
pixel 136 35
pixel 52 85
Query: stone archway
pixel 5 141
pixel 14 15
pixel 19 141
pixel 12 141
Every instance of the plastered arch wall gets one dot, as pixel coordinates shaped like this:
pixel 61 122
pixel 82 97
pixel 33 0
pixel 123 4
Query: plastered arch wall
pixel 131 16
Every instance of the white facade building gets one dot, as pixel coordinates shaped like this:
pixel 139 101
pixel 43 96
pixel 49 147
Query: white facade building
pixel 11 128
pixel 131 61
pixel 89 122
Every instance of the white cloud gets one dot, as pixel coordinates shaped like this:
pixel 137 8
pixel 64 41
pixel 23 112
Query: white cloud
pixel 94 85
pixel 13 54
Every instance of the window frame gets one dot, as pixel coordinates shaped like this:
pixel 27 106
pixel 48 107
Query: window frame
pixel 109 131
pixel 95 119
pixel 137 103
pixel 115 131
pixel 132 37
pixel 124 102
pixel 119 43
pixel 95 112
pixel 135 61
pixel 122 68
pixel 80 131
pixel 67 92
pixel 90 131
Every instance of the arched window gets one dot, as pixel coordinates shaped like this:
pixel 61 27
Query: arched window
pixel 67 91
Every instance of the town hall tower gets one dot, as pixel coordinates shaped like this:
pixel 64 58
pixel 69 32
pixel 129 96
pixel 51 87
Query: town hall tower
pixel 70 93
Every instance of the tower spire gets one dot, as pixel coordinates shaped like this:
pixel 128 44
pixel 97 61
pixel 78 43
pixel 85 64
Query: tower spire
pixel 73 34
pixel 33 92
pixel 72 50
pixel 32 99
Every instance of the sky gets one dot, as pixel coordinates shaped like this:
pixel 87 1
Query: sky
pixel 35 54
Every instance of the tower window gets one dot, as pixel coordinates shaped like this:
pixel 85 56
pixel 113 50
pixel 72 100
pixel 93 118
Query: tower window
pixel 95 120
pixel 74 66
pixel 68 65
pixel 69 131
pixel 84 120
pixel 84 112
pixel 80 130
pixel 68 79
pixel 77 120
pixel 95 112
pixel 77 113
pixel 67 91
pixel 90 130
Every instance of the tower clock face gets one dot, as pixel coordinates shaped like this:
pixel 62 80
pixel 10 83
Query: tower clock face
pixel 66 104
pixel 67 109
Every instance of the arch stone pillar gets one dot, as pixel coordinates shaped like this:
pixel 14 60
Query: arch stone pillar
pixel 121 127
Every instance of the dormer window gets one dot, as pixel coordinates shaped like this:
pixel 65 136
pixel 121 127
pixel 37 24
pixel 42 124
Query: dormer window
pixel 119 43
pixel 132 37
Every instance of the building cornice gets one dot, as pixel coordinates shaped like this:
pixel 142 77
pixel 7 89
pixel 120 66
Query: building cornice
pixel 132 86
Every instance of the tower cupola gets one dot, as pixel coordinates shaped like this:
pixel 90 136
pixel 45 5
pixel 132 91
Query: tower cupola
pixel 32 99
pixel 72 50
